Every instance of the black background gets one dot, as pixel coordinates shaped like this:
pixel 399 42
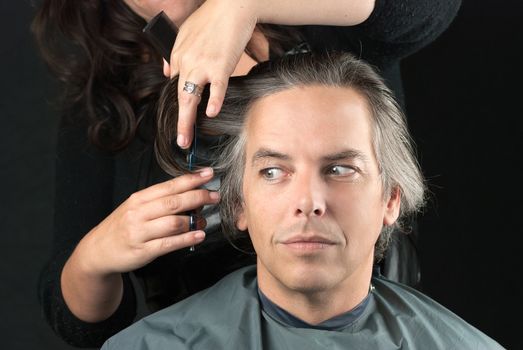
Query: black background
pixel 464 100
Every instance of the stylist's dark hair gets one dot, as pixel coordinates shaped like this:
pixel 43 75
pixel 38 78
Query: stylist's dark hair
pixel 97 50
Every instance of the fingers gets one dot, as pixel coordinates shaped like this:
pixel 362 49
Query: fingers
pixel 190 86
pixel 166 69
pixel 188 101
pixel 168 244
pixel 177 185
pixel 217 94
pixel 189 96
pixel 173 63
pixel 178 203
pixel 172 225
pixel 207 50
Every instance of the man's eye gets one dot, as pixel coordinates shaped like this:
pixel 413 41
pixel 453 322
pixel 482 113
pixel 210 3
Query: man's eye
pixel 272 173
pixel 341 170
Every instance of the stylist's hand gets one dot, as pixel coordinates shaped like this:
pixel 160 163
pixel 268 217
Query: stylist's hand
pixel 147 225
pixel 208 47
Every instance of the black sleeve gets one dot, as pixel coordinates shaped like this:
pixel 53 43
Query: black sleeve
pixel 394 30
pixel 83 199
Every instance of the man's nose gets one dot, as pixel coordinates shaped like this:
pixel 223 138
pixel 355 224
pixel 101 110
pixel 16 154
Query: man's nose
pixel 309 191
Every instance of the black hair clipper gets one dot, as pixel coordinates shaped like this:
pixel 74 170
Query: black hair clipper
pixel 161 32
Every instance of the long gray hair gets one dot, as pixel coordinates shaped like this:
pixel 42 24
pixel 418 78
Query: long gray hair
pixel 391 141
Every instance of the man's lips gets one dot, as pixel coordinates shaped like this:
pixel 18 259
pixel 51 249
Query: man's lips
pixel 308 242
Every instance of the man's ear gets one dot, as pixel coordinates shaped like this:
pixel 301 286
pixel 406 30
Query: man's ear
pixel 241 220
pixel 392 210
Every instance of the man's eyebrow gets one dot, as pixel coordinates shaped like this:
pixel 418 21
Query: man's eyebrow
pixel 346 154
pixel 264 153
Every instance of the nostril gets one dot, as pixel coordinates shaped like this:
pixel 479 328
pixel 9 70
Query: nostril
pixel 309 211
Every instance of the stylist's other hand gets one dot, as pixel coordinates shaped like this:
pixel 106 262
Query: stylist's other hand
pixel 208 47
pixel 150 223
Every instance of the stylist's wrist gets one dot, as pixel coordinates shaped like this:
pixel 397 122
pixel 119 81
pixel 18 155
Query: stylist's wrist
pixel 248 10
pixel 90 260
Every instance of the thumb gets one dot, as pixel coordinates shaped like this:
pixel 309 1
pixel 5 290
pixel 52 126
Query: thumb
pixel 166 69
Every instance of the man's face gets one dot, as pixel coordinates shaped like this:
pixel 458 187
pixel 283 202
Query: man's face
pixel 313 200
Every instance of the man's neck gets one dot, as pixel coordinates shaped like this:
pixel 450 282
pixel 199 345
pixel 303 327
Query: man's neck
pixel 315 307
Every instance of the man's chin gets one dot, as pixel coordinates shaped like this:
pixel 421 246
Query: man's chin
pixel 307 276
pixel 307 280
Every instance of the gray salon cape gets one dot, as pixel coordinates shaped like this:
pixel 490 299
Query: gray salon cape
pixel 228 316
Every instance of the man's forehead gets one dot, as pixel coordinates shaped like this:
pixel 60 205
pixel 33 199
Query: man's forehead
pixel 328 92
pixel 324 121
pixel 325 101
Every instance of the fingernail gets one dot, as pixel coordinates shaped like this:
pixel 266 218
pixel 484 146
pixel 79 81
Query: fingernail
pixel 199 235
pixel 181 140
pixel 205 172
pixel 214 195
pixel 211 110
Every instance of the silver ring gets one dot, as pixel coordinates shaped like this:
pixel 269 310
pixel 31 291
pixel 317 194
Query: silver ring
pixel 192 88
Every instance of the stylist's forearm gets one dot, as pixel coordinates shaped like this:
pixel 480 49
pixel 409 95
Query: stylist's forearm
pixel 300 12
pixel 90 297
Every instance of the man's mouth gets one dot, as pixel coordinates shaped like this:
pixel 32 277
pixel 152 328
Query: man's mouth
pixel 308 242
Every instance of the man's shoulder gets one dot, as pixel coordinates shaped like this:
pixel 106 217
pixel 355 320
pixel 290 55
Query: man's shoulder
pixel 427 320
pixel 213 308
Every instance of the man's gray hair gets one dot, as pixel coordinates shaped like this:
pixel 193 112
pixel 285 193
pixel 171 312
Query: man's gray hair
pixel 390 137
